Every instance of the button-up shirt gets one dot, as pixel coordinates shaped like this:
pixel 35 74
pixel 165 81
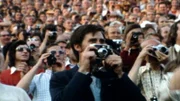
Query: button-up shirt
pixel 39 86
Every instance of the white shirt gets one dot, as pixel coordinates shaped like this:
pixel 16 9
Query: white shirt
pixel 177 47
pixel 39 86
pixel 144 81
pixel 11 93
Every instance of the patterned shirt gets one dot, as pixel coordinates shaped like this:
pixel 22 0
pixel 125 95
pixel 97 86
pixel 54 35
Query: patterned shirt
pixel 39 86
pixel 145 75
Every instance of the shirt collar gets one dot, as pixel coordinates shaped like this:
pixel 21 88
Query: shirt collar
pixel 177 47
pixel 47 71
pixel 13 70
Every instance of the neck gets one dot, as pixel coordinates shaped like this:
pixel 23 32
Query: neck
pixel 155 66
pixel 18 63
pixel 178 42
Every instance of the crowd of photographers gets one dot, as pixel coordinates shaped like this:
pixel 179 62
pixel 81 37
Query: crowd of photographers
pixel 89 50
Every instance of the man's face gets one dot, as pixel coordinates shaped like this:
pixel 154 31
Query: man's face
pixel 43 17
pixel 162 21
pixel 63 46
pixel 59 53
pixel 150 16
pixel 165 33
pixel 30 21
pixel 5 37
pixel 18 16
pixel 68 24
pixel 84 20
pixel 113 33
pixel 162 8
pixel 60 19
pixel 89 38
pixel 132 18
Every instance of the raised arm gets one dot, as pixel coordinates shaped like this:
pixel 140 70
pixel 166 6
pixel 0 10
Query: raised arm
pixel 133 74
pixel 26 80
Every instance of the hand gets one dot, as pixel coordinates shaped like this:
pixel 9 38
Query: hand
pixel 23 67
pixel 86 57
pixel 42 59
pixel 144 52
pixel 47 34
pixel 128 41
pixel 161 57
pixel 115 62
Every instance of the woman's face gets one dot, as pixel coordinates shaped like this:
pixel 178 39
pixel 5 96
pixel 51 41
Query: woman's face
pixel 22 53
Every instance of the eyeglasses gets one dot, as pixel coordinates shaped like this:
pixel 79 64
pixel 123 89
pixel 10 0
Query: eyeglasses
pixel 54 52
pixel 5 35
pixel 21 49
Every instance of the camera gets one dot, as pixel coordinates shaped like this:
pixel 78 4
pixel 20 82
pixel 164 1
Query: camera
pixel 53 35
pixel 135 36
pixel 102 51
pixel 118 43
pixel 154 98
pixel 20 25
pixel 51 60
pixel 32 47
pixel 160 48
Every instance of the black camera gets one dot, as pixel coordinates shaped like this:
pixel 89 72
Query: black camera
pixel 118 43
pixel 53 35
pixel 32 47
pixel 160 48
pixel 135 36
pixel 20 25
pixel 35 31
pixel 51 60
pixel 102 51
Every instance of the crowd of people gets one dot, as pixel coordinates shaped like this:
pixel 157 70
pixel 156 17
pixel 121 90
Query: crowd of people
pixel 89 50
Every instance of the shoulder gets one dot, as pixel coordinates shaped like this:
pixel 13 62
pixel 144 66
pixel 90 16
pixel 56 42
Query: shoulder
pixel 143 69
pixel 66 74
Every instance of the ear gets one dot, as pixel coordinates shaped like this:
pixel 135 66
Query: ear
pixel 78 48
pixel 106 35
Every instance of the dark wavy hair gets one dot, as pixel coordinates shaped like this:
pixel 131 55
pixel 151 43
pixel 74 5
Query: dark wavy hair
pixel 173 33
pixel 79 34
pixel 12 52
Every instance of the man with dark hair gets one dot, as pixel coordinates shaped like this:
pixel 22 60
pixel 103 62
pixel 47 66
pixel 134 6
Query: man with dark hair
pixel 162 8
pixel 84 82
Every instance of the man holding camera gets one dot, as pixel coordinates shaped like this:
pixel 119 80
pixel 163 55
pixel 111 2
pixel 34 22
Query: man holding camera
pixel 149 77
pixel 38 85
pixel 86 82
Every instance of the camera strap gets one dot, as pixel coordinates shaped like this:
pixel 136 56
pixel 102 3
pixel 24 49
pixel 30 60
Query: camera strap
pixel 152 85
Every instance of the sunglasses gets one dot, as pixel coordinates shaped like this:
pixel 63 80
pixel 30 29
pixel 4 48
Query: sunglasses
pixel 54 52
pixel 5 35
pixel 21 49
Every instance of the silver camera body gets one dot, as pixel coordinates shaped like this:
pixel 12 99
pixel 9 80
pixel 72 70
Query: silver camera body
pixel 161 48
pixel 102 50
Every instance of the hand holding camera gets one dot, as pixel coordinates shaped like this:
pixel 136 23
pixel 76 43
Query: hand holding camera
pixel 42 59
pixel 160 52
pixel 87 56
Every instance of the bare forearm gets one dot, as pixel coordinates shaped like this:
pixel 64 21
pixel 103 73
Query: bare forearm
pixel 26 80
pixel 133 74
pixel 175 80
pixel 43 45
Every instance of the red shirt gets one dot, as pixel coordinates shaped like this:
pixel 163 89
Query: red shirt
pixel 10 79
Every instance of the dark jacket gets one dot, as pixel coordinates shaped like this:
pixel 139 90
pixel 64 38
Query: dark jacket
pixel 74 86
